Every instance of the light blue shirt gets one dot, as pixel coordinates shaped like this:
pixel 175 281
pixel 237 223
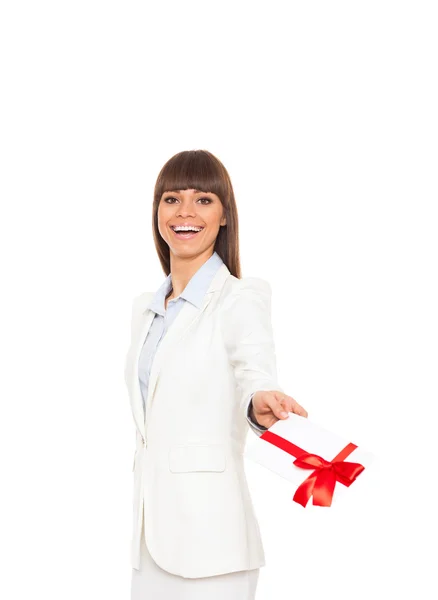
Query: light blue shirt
pixel 194 292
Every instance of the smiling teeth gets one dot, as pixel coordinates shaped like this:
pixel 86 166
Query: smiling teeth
pixel 182 228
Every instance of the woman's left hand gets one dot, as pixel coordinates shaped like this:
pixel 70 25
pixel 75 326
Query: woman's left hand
pixel 271 406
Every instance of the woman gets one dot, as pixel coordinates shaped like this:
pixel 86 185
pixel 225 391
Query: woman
pixel 201 368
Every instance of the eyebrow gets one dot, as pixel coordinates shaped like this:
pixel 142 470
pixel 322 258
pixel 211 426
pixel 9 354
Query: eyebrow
pixel 196 191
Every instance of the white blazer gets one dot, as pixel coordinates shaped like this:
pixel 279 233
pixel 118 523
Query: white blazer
pixel 189 479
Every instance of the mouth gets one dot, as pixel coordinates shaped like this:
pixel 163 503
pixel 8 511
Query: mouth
pixel 186 235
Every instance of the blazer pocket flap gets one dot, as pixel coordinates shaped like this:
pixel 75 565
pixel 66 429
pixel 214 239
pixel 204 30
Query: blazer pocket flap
pixel 185 458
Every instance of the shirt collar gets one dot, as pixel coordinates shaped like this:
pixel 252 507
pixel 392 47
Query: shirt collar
pixel 196 288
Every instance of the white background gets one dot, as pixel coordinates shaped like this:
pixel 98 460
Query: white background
pixel 324 114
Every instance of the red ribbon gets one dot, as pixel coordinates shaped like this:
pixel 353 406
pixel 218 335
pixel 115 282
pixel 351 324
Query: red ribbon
pixel 321 483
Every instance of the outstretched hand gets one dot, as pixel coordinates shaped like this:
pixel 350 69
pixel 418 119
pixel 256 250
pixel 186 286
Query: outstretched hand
pixel 271 406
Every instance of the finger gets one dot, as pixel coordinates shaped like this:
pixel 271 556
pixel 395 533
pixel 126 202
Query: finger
pixel 275 403
pixel 286 401
pixel 299 410
pixel 280 410
pixel 293 406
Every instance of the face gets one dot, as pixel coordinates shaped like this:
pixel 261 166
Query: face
pixel 201 210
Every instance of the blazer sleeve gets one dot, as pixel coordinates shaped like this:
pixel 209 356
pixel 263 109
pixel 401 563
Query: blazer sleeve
pixel 258 429
pixel 248 337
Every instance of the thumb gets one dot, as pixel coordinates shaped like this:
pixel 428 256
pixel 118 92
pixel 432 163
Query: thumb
pixel 278 409
pixel 281 413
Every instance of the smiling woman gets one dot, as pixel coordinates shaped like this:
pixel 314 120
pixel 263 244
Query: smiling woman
pixel 201 348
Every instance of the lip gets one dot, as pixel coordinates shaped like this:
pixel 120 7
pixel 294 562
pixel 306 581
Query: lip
pixel 186 237
pixel 186 225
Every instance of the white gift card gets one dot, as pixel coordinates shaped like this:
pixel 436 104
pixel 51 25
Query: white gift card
pixel 326 464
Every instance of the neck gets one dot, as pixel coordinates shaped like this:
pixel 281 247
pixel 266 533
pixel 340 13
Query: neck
pixel 183 268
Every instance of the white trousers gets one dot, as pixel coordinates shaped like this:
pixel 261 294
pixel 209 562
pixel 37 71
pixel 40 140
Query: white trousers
pixel 153 583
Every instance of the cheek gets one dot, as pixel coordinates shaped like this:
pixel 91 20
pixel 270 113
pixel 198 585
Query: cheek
pixel 162 228
pixel 213 220
pixel 164 214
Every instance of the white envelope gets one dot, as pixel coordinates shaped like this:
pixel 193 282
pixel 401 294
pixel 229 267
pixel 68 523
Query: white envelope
pixel 310 438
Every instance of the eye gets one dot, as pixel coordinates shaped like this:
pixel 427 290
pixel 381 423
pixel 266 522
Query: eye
pixel 168 198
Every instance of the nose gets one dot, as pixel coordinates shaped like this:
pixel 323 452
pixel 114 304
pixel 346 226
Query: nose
pixel 186 209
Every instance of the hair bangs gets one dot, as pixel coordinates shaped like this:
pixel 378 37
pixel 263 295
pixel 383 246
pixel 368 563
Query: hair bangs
pixel 194 169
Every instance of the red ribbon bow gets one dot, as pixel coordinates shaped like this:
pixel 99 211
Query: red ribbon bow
pixel 321 483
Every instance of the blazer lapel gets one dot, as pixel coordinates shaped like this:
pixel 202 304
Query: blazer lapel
pixel 132 367
pixel 184 321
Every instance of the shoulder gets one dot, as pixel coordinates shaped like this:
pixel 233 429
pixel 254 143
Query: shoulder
pixel 245 291
pixel 256 284
pixel 140 301
pixel 245 312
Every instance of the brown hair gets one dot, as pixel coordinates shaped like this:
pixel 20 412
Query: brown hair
pixel 200 170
